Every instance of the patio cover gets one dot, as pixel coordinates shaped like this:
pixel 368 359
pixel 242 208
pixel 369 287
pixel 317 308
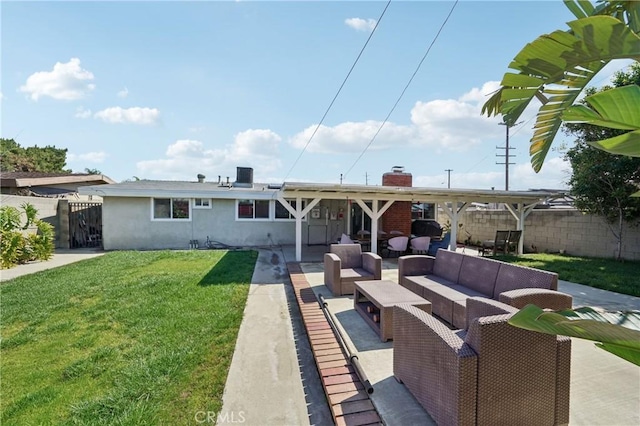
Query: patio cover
pixel 452 201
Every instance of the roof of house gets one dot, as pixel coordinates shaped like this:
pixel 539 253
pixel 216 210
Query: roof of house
pixel 184 189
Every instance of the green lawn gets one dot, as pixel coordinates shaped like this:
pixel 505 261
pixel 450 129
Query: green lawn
pixel 126 338
pixel 607 274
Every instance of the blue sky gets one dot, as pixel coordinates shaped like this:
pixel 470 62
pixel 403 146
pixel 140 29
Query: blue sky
pixel 167 90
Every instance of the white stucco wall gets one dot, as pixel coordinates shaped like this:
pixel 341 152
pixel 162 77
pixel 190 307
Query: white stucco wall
pixel 127 225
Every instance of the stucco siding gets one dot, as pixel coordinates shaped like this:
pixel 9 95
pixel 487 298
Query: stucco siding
pixel 127 225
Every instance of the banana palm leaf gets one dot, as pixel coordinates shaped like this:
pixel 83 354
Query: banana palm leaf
pixel 617 108
pixel 618 333
pixel 555 68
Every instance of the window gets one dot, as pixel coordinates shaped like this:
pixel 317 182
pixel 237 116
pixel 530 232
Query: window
pixel 283 213
pixel 202 203
pixel 423 211
pixel 253 209
pixel 171 208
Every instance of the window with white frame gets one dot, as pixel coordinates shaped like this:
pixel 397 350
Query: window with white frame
pixel 423 210
pixel 253 209
pixel 281 212
pixel 202 203
pixel 171 209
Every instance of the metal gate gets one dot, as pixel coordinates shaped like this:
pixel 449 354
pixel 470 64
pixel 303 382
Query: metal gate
pixel 85 225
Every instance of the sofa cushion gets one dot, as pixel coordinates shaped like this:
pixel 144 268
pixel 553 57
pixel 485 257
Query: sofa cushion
pixel 459 314
pixel 479 274
pixel 512 277
pixel 447 265
pixel 441 298
pixel 353 274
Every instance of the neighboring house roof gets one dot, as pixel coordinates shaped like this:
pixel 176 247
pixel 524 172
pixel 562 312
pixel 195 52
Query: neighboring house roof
pixel 33 179
pixel 181 189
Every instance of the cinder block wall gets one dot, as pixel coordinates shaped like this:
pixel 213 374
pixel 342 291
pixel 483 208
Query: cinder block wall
pixel 398 216
pixel 553 230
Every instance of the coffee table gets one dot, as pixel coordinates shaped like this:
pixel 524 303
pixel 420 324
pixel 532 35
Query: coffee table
pixel 379 297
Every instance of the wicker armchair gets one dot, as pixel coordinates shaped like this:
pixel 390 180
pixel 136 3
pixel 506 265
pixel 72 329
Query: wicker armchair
pixel 346 264
pixel 490 374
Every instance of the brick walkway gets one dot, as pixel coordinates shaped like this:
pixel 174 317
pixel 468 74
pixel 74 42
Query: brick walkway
pixel 349 402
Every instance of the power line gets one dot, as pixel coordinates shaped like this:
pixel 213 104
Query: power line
pixel 338 92
pixel 403 90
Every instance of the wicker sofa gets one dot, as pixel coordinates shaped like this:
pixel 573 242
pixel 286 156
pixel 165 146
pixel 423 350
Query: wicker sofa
pixel 449 279
pixel 345 264
pixel 488 374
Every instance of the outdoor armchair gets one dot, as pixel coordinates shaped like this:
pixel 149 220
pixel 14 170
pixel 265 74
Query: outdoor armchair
pixel 345 264
pixel 489 374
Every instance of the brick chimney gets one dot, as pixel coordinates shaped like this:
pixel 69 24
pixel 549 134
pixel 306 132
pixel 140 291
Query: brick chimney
pixel 398 216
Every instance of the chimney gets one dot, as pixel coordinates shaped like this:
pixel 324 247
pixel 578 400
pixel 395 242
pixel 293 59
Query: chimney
pixel 398 216
pixel 201 177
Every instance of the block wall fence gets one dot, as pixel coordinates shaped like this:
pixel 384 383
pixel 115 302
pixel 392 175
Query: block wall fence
pixel 552 230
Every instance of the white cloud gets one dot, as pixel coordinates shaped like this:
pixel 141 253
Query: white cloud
pixel 257 148
pixel 352 137
pixel 360 24
pixel 521 177
pixel 66 81
pixel 135 115
pixel 123 93
pixel 441 124
pixel 89 157
pixel 2 97
pixel 82 113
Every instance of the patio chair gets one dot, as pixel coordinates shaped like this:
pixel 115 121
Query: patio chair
pixel 499 243
pixel 512 241
pixel 397 245
pixel 345 239
pixel 491 373
pixel 420 244
pixel 434 245
pixel 345 264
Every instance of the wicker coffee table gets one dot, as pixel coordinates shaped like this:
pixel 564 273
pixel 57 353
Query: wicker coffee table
pixel 374 301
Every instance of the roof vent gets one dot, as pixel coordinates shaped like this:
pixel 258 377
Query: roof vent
pixel 201 177
pixel 397 169
pixel 244 177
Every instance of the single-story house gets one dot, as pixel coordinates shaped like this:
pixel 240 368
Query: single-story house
pixel 148 214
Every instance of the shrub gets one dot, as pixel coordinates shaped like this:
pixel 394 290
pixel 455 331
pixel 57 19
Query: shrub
pixel 18 247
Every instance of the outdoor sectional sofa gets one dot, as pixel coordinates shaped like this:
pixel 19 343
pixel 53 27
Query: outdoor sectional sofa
pixel 449 279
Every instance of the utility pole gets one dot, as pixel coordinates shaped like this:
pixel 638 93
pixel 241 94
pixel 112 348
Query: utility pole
pixel 448 177
pixel 506 154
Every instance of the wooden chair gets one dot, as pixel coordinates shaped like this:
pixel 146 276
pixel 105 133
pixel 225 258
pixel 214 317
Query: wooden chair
pixel 499 243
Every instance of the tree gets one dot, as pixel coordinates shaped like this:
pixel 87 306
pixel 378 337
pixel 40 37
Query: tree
pixel 92 171
pixel 602 183
pixel 15 158
pixel 555 68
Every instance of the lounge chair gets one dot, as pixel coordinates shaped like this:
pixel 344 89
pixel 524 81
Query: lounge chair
pixel 346 264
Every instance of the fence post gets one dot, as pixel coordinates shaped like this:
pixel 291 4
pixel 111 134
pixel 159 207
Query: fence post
pixel 63 240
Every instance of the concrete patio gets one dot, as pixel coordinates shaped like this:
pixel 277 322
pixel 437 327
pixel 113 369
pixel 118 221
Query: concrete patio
pixel 605 390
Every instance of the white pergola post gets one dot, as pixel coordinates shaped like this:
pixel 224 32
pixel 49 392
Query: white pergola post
pixel 298 214
pixel 453 213
pixel 520 214
pixel 375 214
